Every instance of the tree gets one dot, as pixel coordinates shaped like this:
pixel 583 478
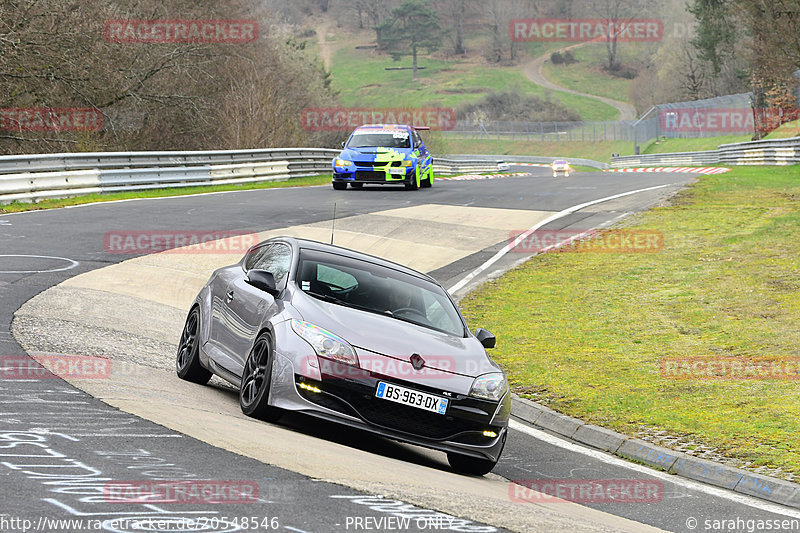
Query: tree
pixel 716 30
pixel 617 15
pixel 411 27
pixel 456 12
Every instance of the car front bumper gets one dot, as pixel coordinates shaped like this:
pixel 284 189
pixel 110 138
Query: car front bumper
pixel 346 395
pixel 374 174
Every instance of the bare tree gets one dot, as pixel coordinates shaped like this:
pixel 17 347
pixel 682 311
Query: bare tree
pixel 617 16
pixel 167 96
pixel 455 13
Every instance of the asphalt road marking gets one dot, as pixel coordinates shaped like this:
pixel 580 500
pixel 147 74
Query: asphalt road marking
pixel 675 480
pixel 72 264
pixel 508 247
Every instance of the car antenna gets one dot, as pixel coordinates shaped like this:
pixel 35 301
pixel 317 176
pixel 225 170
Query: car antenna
pixel 333 222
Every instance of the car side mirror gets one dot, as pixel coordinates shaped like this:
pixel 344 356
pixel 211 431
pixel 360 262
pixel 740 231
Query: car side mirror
pixel 342 144
pixel 262 280
pixel 485 338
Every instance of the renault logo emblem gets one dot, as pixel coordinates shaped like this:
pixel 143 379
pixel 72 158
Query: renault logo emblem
pixel 417 361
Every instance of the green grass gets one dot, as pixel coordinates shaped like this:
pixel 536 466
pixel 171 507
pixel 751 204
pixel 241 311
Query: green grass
pixel 587 75
pixel 362 81
pixel 52 203
pixel 692 145
pixel 790 129
pixel 585 333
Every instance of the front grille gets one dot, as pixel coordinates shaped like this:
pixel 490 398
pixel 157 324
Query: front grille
pixel 370 175
pixel 410 420
pixel 370 163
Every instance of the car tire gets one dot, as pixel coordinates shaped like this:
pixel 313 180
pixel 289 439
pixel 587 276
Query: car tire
pixel 428 182
pixel 187 360
pixel 339 185
pixel 256 380
pixel 357 185
pixel 472 466
pixel 413 185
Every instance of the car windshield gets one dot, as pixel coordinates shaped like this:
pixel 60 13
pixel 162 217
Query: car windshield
pixel 387 139
pixel 377 289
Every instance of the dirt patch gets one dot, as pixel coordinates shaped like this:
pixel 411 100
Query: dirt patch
pixel 469 90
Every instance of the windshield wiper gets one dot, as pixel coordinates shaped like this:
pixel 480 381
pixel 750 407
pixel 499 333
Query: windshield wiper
pixel 327 298
pixel 339 301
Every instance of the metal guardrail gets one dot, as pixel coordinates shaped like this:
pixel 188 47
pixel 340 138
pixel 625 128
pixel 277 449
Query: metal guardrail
pixel 98 160
pixel 770 152
pixel 37 177
pixel 529 159
pixel 709 157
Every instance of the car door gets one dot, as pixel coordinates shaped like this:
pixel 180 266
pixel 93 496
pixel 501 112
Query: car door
pixel 250 307
pixel 218 338
pixel 425 158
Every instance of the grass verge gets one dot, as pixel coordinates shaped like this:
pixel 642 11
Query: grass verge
pixel 52 203
pixel 586 333
pixel 666 146
pixel 588 76
pixel 362 81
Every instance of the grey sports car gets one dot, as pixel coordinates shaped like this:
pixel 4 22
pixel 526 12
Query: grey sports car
pixel 341 335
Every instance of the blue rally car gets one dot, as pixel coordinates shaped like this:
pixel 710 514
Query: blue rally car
pixel 384 153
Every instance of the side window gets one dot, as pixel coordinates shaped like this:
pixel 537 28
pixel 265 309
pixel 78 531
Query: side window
pixel 436 314
pixel 277 259
pixel 417 140
pixel 253 256
pixel 335 278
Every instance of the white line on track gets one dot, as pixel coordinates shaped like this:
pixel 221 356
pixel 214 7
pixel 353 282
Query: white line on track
pixel 508 247
pixel 175 197
pixel 675 480
pixel 72 264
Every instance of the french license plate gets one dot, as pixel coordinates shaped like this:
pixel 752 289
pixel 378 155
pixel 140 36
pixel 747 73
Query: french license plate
pixel 400 171
pixel 412 398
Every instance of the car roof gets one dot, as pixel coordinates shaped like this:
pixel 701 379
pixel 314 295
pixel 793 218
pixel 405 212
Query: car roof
pixel 308 244
pixel 383 127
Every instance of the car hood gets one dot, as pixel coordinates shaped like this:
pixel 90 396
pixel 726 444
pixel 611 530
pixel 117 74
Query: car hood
pixel 374 335
pixel 375 154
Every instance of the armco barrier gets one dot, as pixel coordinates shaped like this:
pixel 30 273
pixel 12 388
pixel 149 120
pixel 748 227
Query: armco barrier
pixel 770 152
pixel 36 177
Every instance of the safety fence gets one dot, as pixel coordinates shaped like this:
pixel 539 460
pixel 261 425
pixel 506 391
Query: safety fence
pixel 37 177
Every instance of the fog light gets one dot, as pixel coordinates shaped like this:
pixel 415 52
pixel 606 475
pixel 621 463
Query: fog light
pixel 490 434
pixel 312 388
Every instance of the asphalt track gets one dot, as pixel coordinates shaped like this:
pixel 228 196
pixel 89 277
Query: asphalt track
pixel 326 476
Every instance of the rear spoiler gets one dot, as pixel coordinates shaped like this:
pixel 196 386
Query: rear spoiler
pixel 423 128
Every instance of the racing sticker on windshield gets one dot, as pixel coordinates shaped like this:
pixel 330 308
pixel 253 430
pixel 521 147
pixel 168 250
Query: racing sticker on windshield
pixel 400 134
pixel 305 285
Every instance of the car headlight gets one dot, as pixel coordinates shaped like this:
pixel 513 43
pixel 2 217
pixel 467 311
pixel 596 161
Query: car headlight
pixel 325 343
pixel 342 162
pixel 489 386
